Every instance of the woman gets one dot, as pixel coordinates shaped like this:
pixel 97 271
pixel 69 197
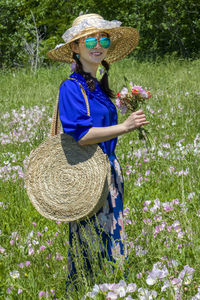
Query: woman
pixel 92 41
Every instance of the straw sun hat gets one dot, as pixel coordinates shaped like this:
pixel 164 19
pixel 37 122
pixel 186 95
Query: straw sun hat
pixel 123 39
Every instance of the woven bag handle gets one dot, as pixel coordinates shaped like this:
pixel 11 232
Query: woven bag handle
pixel 55 124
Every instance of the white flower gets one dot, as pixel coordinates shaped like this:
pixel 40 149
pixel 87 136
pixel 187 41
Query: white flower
pixel 111 296
pixel 30 235
pixel 140 251
pixel 175 263
pixel 14 274
pixel 124 92
pixel 2 250
pixel 186 274
pixel 196 297
pixel 144 294
pixel 191 195
pixel 131 288
pixel 129 298
pixel 120 290
pixel 165 286
pixel 159 271
pixel 151 279
pixel 94 292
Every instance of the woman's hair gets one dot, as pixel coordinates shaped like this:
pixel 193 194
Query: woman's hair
pixel 91 80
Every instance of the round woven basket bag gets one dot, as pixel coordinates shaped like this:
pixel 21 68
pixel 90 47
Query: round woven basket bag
pixel 64 180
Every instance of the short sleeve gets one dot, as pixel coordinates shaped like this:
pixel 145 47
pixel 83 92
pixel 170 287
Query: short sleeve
pixel 73 111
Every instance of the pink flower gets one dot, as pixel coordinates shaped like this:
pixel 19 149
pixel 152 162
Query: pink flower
pixel 9 289
pixel 123 110
pixel 21 265
pixel 175 281
pixel 73 67
pixel 147 203
pixel 50 242
pixel 118 103
pixel 31 251
pixel 34 224
pixel 41 294
pixel 169 228
pixel 145 209
pixel 147 221
pixel 166 244
pixel 20 291
pixel 27 263
pixel 126 211
pixel 59 256
pixel 12 242
pixel 167 208
pixel 2 250
pixel 186 274
pixel 128 222
pixel 124 92
pixel 139 275
pixel 42 248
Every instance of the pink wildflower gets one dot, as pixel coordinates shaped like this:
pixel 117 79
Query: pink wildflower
pixel 20 291
pixel 31 251
pixel 27 263
pixel 41 294
pixel 42 248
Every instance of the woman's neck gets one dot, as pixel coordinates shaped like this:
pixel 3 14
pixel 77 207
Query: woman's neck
pixel 89 68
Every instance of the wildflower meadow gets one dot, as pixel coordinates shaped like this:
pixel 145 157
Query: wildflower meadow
pixel 161 204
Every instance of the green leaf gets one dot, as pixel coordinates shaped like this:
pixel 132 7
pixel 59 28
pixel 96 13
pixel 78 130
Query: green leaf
pixel 127 84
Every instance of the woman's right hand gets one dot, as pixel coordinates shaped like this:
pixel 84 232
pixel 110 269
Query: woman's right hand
pixel 135 120
pixel 97 135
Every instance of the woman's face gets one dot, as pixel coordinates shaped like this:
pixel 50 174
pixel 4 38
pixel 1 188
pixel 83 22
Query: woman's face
pixel 91 55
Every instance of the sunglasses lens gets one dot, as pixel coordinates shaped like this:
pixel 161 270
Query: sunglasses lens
pixel 105 42
pixel 90 42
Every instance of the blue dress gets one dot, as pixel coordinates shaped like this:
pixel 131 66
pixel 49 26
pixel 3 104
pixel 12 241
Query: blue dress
pixel 108 223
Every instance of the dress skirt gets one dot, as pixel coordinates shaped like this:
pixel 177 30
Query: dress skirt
pixel 102 235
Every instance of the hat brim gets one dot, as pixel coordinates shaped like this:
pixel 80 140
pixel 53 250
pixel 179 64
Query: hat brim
pixel 123 41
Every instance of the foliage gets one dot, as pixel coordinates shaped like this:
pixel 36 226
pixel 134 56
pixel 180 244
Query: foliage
pixel 162 214
pixel 170 27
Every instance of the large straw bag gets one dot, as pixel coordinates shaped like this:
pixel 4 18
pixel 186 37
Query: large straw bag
pixel 66 181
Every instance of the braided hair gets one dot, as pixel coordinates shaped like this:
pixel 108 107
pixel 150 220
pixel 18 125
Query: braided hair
pixel 91 80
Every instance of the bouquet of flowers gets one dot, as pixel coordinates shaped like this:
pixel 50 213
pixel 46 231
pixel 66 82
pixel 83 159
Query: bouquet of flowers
pixel 132 97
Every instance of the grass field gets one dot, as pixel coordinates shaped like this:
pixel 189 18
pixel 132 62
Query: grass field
pixel 162 203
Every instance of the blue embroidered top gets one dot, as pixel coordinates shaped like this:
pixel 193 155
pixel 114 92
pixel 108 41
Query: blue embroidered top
pixel 73 110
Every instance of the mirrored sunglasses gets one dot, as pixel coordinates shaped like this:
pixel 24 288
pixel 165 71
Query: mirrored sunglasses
pixel 92 42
